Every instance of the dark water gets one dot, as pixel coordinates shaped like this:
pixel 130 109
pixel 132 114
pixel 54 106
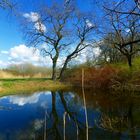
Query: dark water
pixel 22 117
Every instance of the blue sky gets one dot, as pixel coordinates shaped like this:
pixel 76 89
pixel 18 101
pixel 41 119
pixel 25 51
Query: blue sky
pixel 10 33
pixel 9 28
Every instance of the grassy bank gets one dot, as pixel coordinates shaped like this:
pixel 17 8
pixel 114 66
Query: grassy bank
pixel 116 76
pixel 12 86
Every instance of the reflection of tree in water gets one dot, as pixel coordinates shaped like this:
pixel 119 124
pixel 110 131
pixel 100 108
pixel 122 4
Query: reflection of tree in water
pixel 115 116
pixel 56 131
pixel 119 120
pixel 118 115
pixel 74 117
pixel 54 121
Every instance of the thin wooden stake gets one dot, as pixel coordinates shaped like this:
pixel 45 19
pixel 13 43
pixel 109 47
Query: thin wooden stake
pixel 64 123
pixel 85 108
pixel 77 131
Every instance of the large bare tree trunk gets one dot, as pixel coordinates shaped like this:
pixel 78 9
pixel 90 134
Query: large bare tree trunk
pixel 64 68
pixel 129 60
pixel 71 56
pixel 54 72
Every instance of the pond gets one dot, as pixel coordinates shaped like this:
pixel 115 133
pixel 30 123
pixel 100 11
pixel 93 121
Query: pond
pixel 62 115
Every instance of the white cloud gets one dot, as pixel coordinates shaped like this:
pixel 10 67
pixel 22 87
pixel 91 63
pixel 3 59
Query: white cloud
pixel 23 100
pixel 24 53
pixel 35 18
pixel 32 16
pixel 96 51
pixel 127 30
pixel 88 53
pixel 4 52
pixel 89 24
pixel 61 61
pixel 40 27
pixel 1 63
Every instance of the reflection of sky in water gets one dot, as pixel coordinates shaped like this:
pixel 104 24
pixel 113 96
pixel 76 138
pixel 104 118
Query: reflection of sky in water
pixel 22 116
pixel 18 112
pixel 23 100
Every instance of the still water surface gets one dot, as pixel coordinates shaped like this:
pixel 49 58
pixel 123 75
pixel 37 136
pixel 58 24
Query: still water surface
pixel 40 116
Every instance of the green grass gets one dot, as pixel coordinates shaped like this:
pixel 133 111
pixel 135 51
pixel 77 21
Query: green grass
pixel 24 85
pixel 24 79
pixel 124 66
pixel 12 86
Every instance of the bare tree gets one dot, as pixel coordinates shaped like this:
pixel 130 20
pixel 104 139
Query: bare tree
pixel 134 7
pixel 109 54
pixel 83 32
pixel 63 31
pixel 124 34
pixel 6 4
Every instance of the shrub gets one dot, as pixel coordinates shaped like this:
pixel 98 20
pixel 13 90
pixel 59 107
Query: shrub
pixel 93 77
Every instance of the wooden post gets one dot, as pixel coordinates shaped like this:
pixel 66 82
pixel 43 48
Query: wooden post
pixel 64 123
pixel 84 99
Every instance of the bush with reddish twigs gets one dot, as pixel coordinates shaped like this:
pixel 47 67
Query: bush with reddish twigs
pixel 93 77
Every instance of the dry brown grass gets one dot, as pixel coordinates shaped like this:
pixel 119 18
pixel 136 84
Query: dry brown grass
pixel 5 75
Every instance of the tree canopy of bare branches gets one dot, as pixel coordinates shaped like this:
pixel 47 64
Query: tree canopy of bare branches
pixel 63 30
pixel 134 8
pixel 6 4
pixel 122 31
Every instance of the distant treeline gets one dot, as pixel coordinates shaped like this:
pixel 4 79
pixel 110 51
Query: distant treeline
pixel 28 70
